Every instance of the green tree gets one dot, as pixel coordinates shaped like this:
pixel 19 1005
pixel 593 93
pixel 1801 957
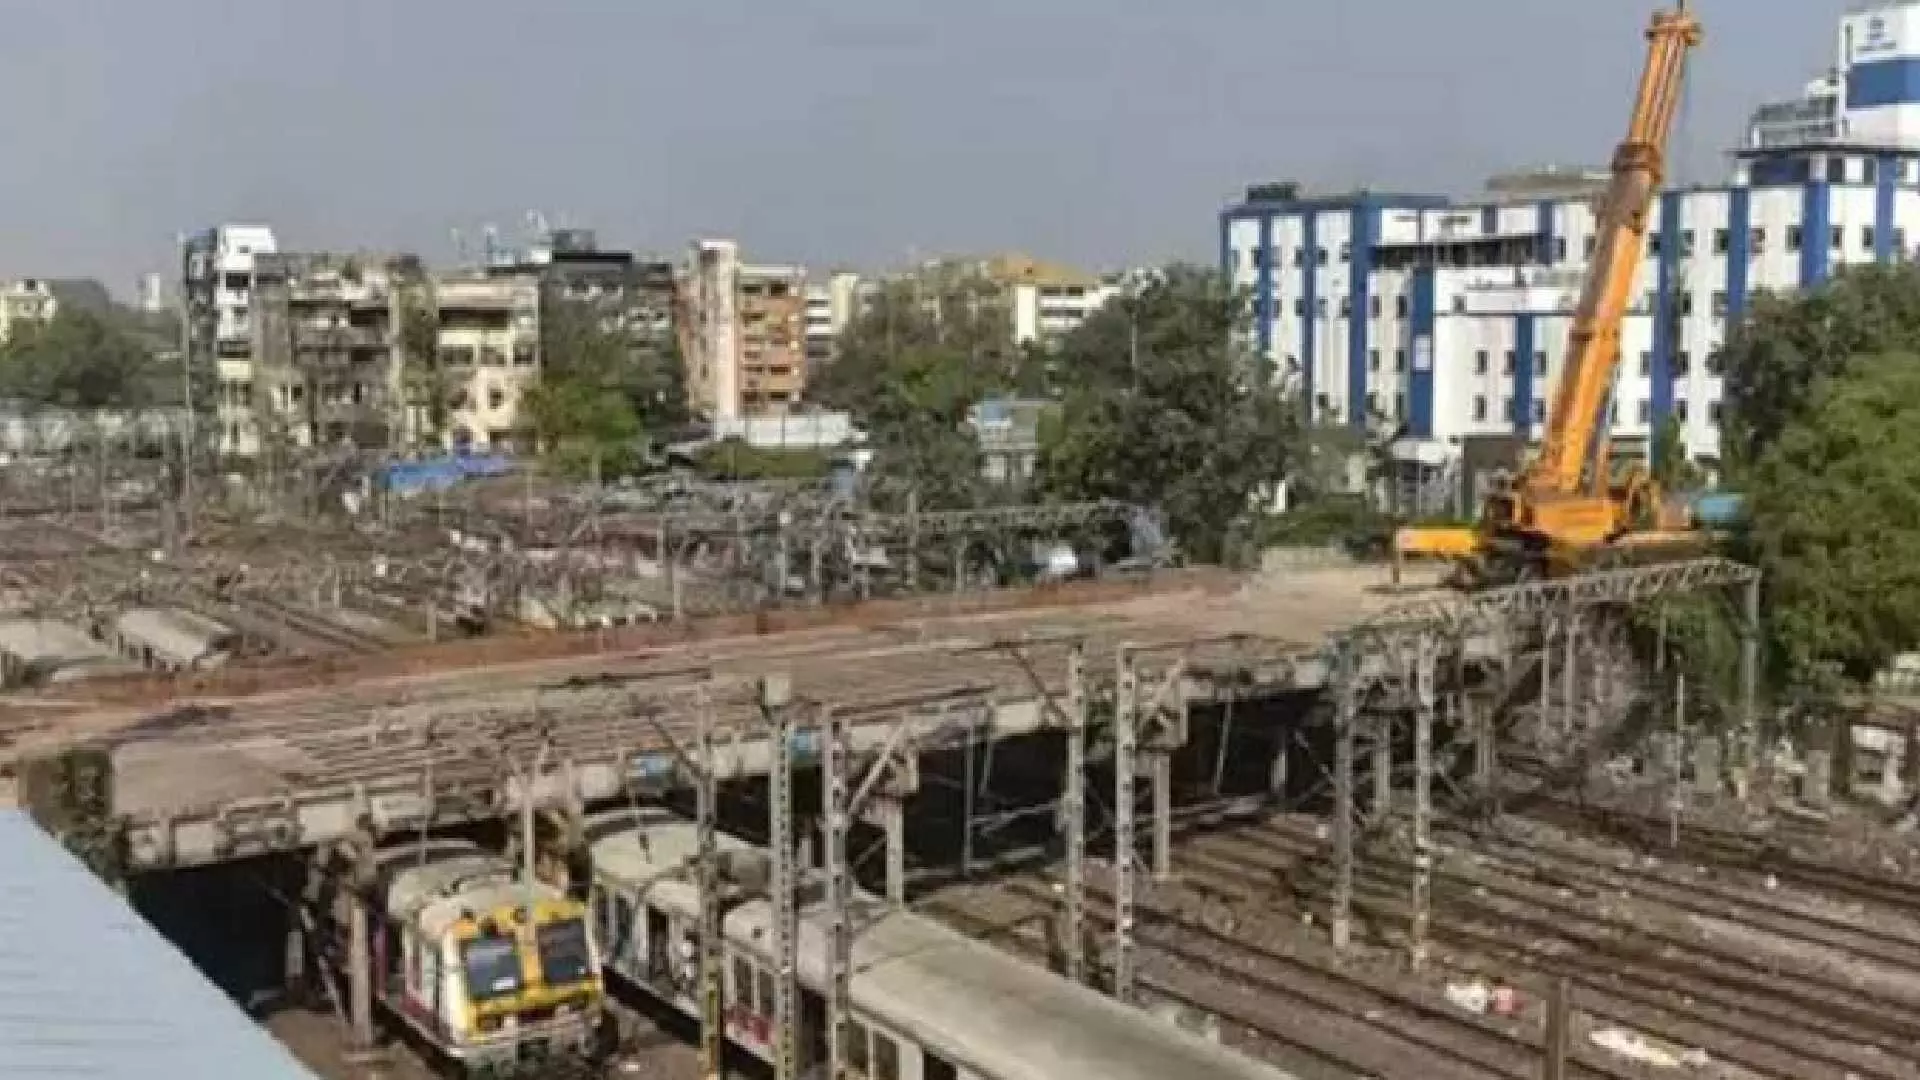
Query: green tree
pixel 583 429
pixel 1167 408
pixel 1788 343
pixel 1835 522
pixel 586 342
pixel 79 359
pixel 910 367
pixel 1673 470
pixel 429 386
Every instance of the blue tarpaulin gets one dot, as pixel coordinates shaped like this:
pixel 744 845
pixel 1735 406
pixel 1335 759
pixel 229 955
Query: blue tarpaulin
pixel 438 474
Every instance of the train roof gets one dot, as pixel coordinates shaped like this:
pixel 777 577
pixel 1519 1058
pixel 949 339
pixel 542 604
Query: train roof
pixel 976 1005
pixel 431 885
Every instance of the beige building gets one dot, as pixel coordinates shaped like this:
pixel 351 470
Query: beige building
pixel 489 338
pixel 24 302
pixel 313 350
pixel 743 334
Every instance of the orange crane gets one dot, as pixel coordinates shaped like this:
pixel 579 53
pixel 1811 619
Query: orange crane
pixel 1567 509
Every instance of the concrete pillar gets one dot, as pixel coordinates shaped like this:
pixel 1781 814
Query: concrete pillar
pixel 359 974
pixel 1706 766
pixel 1892 775
pixel 1382 769
pixel 1160 771
pixel 1816 784
pixel 893 819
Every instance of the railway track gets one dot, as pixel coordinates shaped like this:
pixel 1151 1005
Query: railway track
pixel 1345 1020
pixel 1796 1027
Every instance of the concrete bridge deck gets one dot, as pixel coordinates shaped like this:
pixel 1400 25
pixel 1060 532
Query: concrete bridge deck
pixel 214 778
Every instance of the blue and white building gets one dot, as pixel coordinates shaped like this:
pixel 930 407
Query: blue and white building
pixel 1450 317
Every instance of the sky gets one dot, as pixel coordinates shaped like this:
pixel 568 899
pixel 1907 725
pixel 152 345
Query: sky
pixel 830 132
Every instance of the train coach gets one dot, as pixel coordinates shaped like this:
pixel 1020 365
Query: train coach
pixel 494 976
pixel 929 1003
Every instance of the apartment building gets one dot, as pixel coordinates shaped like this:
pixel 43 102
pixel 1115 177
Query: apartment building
pixel 25 302
pixel 217 275
pixel 743 333
pixel 489 342
pixel 831 305
pixel 324 367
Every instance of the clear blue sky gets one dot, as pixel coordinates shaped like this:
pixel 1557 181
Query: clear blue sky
pixel 821 130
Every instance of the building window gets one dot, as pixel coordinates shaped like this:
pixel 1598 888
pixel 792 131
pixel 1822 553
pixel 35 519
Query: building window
pixel 1759 241
pixel 1868 172
pixel 1680 410
pixel 1320 256
pixel 1373 403
pixel 1399 405
pixel 1539 410
pixel 1646 363
pixel 1721 241
pixel 1684 304
pixel 1298 258
pixel 1459 305
pixel 1716 362
pixel 1506 367
pixel 1480 407
pixel 1589 246
pixel 1793 238
pixel 1682 361
pixel 1646 411
pixel 1321 307
pixel 1719 305
pixel 1836 170
pixel 1346 306
pixel 1399 359
pixel 1540 363
pixel 1559 249
pixel 1400 307
pixel 1506 407
pixel 1300 308
pixel 1713 413
pixel 1480 362
pixel 496 398
pixel 1346 252
pixel 1866 238
pixel 1653 244
pixel 1373 359
pixel 1686 243
pixel 1839 238
pixel 1373 307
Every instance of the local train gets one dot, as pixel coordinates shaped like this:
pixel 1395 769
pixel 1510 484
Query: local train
pixel 492 974
pixel 929 1003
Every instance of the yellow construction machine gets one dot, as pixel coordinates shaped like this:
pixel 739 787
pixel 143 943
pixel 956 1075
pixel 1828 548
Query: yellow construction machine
pixel 1568 508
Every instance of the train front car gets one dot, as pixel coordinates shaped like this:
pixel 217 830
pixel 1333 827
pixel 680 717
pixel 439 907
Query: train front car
pixel 499 976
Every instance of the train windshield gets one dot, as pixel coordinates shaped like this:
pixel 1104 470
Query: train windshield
pixel 493 967
pixel 564 956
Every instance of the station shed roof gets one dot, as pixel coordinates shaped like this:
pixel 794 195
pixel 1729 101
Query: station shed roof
pixel 90 991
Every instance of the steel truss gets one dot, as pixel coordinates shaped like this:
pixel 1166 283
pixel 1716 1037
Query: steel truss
pixel 1463 659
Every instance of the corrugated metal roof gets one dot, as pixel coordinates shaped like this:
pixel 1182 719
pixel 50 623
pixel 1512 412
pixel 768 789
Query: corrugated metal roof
pixel 90 991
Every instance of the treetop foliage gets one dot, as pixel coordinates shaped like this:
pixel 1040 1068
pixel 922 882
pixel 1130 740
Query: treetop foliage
pixel 80 359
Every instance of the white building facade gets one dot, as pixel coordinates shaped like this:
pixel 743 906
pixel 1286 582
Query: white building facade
pixel 217 278
pixel 1449 320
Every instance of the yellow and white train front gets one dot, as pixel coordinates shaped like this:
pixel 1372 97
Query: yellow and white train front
pixel 522 986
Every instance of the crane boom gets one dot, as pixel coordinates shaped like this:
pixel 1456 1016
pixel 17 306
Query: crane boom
pixel 1566 506
pixel 1576 424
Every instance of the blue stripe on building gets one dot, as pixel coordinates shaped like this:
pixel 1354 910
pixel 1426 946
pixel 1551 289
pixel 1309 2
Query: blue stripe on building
pixel 1310 297
pixel 1886 180
pixel 1523 348
pixel 1362 233
pixel 1816 199
pixel 1543 225
pixel 1883 82
pixel 1263 288
pixel 1665 315
pixel 1739 250
pixel 1420 382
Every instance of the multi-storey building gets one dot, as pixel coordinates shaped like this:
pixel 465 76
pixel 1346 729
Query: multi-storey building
pixel 489 341
pixel 743 334
pixel 25 302
pixel 831 305
pixel 325 368
pixel 217 283
pixel 1447 320
pixel 626 293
